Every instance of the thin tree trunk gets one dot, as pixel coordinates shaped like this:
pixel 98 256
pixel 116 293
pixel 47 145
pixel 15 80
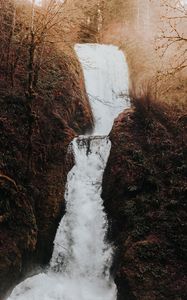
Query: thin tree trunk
pixel 39 63
pixel 32 49
pixel 11 36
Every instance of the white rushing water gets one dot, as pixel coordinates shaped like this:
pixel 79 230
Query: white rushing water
pixel 80 265
pixel 106 78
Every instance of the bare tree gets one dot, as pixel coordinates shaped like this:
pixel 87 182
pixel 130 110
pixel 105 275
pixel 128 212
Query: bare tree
pixel 7 25
pixel 13 36
pixel 173 33
pixel 44 26
pixel 27 32
pixel 25 27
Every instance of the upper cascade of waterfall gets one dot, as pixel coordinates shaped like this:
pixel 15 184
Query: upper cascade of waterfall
pixel 106 78
pixel 82 257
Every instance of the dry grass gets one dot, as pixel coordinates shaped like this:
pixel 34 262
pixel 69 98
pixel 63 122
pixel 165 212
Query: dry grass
pixel 171 115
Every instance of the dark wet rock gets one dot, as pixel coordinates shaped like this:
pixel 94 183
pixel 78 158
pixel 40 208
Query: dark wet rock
pixel 144 192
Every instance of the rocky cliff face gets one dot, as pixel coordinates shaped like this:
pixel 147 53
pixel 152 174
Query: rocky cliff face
pixel 34 164
pixel 144 191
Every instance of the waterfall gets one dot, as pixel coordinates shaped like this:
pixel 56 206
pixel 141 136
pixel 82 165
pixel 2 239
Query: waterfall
pixel 80 265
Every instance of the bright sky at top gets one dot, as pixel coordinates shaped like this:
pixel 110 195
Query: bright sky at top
pixel 40 1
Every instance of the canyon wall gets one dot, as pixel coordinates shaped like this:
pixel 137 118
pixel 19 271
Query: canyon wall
pixel 144 192
pixel 34 166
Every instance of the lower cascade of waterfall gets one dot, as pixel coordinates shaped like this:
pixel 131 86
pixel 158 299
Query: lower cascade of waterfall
pixel 81 261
